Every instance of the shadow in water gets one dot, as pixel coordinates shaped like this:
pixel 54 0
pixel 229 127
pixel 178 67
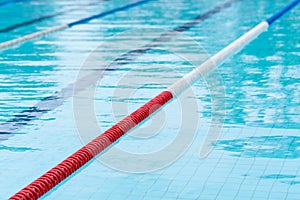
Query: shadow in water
pixel 278 176
pixel 291 182
pixel 16 149
pixel 284 178
pixel 280 147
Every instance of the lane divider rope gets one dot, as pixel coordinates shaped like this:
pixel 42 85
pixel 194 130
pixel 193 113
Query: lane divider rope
pixel 42 18
pixel 32 35
pixel 68 166
pixel 69 25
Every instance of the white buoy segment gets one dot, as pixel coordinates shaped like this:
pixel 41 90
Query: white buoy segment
pixel 180 85
pixel 32 36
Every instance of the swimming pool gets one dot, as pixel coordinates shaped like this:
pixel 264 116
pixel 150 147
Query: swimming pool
pixel 257 154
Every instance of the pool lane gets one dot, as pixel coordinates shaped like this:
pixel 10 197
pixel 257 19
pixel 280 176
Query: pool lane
pixel 56 28
pixel 14 1
pixel 45 17
pixel 54 101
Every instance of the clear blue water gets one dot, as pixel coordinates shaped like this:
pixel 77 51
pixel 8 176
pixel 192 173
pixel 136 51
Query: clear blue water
pixel 257 154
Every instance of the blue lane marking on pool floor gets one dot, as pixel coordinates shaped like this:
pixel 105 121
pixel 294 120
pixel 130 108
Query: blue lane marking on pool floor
pixel 54 101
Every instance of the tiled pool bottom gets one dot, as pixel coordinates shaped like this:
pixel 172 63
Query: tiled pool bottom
pixel 246 163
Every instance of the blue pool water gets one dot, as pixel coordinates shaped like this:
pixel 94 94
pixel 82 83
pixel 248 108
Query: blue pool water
pixel 42 122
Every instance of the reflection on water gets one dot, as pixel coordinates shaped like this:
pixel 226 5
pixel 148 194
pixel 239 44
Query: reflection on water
pixel 282 147
pixel 278 176
pixel 291 182
pixel 262 81
pixel 284 178
pixel 16 149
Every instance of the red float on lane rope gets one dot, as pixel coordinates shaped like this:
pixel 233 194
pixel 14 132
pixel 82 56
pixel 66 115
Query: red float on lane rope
pixel 68 166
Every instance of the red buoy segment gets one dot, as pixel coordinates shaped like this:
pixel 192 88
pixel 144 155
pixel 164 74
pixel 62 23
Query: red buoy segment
pixel 68 166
